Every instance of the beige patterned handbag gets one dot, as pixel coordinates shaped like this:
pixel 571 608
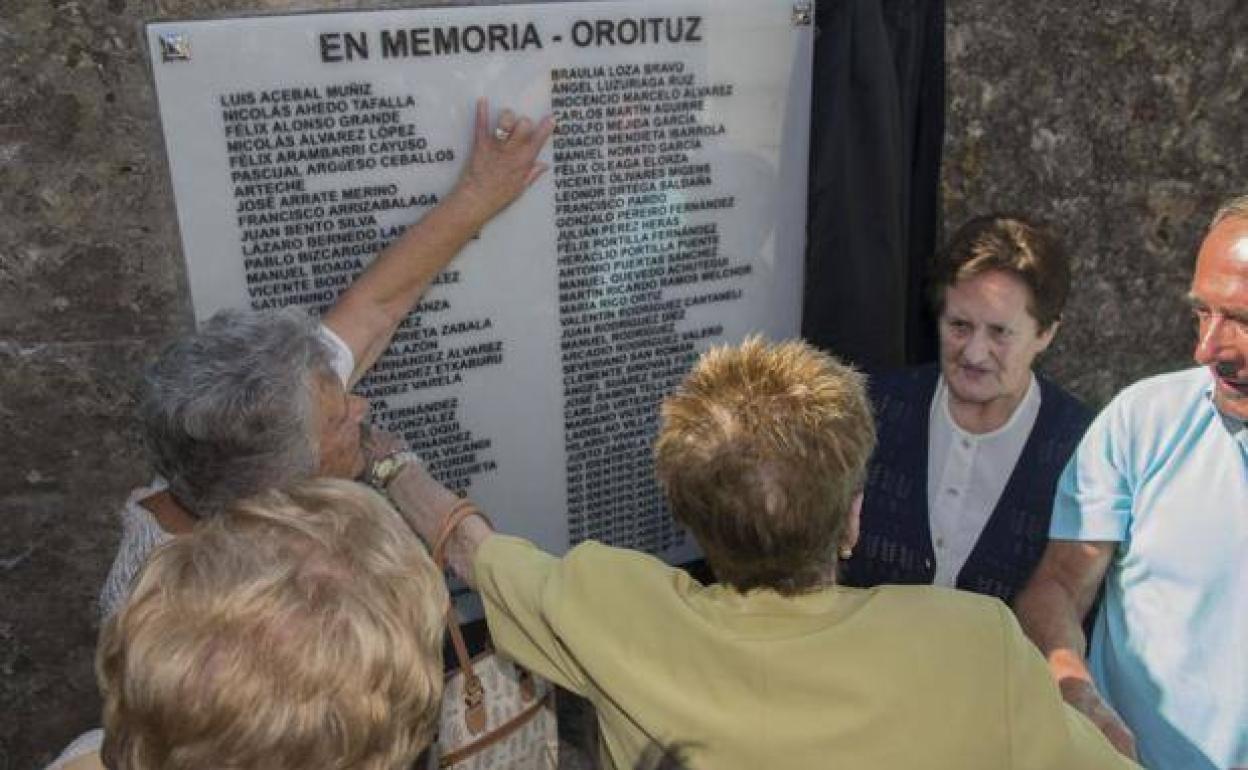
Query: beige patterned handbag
pixel 495 714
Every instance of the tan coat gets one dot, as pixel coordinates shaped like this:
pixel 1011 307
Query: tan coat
pixel 889 677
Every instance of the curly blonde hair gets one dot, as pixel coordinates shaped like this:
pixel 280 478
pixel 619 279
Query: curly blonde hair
pixel 300 629
pixel 762 450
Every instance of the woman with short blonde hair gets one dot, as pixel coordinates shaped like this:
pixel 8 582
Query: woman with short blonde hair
pixel 763 454
pixel 301 629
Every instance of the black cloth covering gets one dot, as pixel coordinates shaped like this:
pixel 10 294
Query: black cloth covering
pixel 877 124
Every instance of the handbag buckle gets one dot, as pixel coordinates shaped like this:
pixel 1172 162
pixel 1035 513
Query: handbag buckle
pixel 474 699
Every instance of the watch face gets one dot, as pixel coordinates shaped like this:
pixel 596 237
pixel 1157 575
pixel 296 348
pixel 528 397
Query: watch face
pixel 378 472
pixel 385 469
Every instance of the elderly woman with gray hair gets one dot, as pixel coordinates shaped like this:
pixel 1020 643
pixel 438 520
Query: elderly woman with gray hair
pixel 253 401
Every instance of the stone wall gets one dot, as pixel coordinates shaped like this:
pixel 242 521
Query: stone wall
pixel 89 281
pixel 1124 126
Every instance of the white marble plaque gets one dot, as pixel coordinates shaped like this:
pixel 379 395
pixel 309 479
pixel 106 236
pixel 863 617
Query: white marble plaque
pixel 672 219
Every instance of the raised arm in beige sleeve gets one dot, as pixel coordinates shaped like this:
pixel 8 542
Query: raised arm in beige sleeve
pixel 521 588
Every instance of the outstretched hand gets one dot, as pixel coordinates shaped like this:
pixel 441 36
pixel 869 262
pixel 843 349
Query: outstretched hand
pixel 502 165
pixel 504 159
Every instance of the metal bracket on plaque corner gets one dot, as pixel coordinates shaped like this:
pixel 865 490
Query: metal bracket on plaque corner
pixel 803 13
pixel 175 46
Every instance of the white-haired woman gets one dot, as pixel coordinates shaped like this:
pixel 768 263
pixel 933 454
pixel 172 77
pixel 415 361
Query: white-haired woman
pixel 253 401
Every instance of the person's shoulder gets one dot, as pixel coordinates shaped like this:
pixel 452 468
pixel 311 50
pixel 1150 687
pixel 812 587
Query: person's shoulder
pixel 1149 419
pixel 89 761
pixel 940 597
pixel 139 528
pixel 1161 397
pixel 943 607
pixel 1060 399
pixel 960 626
pixel 593 557
pixel 82 754
pixel 1191 381
pixel 618 587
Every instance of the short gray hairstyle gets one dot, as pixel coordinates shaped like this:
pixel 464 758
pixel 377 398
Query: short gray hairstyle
pixel 1236 207
pixel 227 411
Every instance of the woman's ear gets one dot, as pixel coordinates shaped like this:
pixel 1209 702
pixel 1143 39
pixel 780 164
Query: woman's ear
pixel 852 527
pixel 1046 336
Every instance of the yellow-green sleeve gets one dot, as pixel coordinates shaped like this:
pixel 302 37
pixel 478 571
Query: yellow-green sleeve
pixel 521 586
pixel 1044 732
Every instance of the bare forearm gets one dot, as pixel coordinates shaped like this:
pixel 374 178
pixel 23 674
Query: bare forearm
pixel 462 547
pixel 1052 606
pixel 1051 618
pixel 370 310
pixel 1051 611
pixel 499 169
pixel 425 505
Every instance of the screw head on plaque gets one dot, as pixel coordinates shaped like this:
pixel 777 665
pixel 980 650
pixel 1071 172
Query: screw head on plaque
pixel 175 46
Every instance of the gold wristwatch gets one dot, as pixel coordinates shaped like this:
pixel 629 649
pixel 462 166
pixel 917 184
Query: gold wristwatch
pixel 383 471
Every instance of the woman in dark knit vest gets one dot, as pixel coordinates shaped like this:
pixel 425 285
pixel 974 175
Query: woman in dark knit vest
pixel 960 489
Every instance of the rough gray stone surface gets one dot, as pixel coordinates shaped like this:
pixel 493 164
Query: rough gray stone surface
pixel 1122 122
pixel 89 281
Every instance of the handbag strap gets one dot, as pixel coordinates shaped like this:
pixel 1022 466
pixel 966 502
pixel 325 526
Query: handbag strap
pixel 474 693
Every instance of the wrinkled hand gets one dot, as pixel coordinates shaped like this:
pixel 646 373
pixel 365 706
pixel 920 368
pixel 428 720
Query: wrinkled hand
pixel 502 165
pixel 377 443
pixel 1083 696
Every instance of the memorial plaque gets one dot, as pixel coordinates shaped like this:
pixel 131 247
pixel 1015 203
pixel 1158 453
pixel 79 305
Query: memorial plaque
pixel 530 374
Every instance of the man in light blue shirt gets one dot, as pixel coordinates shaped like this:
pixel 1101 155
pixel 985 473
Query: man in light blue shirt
pixel 1154 506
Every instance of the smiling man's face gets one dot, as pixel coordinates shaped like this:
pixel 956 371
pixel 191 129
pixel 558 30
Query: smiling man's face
pixel 1219 298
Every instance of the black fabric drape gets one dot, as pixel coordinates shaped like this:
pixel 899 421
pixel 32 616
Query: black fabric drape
pixel 877 123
